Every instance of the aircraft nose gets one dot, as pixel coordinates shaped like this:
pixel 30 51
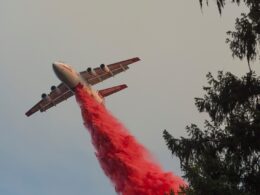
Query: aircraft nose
pixel 56 66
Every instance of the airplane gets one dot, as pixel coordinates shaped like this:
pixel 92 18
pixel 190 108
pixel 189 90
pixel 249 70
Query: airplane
pixel 70 79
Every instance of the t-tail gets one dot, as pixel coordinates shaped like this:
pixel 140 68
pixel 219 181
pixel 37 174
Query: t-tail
pixel 109 91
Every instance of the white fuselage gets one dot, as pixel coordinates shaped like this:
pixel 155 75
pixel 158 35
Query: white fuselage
pixel 72 79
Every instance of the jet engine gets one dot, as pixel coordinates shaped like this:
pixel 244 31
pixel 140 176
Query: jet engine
pixel 104 68
pixel 53 88
pixel 44 96
pixel 91 71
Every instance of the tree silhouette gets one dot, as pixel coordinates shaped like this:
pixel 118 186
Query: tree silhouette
pixel 224 158
pixel 244 41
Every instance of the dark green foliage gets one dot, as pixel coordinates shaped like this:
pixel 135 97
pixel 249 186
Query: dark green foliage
pixel 229 96
pixel 245 40
pixel 224 157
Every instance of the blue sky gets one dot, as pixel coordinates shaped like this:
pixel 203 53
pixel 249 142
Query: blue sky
pixel 51 153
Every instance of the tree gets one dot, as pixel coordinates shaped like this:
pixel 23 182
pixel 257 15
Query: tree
pixel 244 41
pixel 224 157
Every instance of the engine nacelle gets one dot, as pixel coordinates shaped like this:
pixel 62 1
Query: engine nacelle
pixel 104 68
pixel 53 88
pixel 44 96
pixel 91 71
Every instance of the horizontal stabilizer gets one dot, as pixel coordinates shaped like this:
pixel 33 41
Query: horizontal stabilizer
pixel 111 90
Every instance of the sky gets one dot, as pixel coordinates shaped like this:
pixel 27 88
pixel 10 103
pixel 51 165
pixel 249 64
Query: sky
pixel 178 43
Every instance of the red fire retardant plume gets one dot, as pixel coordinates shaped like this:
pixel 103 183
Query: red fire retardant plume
pixel 126 162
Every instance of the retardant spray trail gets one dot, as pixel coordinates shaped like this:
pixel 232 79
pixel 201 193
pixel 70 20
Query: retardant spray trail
pixel 126 162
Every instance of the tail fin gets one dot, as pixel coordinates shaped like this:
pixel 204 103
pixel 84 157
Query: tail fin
pixel 111 90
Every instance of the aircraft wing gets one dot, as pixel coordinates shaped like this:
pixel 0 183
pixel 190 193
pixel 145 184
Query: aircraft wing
pixel 101 75
pixel 59 94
